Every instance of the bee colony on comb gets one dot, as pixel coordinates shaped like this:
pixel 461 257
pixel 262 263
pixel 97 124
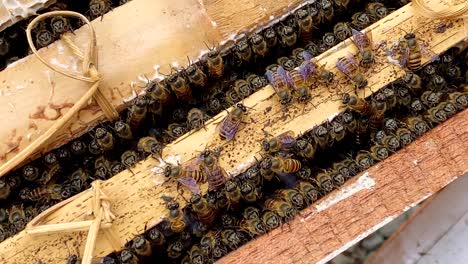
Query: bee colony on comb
pixel 314 121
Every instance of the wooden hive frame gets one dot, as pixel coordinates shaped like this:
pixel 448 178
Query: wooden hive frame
pixel 135 198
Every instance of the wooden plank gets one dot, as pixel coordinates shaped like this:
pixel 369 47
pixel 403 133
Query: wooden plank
pixel 419 234
pixel 135 197
pixel 367 202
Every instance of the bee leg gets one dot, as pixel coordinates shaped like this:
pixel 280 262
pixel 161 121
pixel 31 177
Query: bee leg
pixel 130 170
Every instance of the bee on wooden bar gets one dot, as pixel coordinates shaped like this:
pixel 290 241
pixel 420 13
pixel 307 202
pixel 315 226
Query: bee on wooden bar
pixel 430 98
pixel 283 208
pixel 243 50
pixel 364 159
pixel 203 211
pixel 270 37
pixel 45 193
pixel 179 86
pixel 349 67
pixel 411 52
pixel 189 175
pixel 242 88
pixel 176 216
pixel 405 136
pixel 308 191
pixel 342 31
pixel 279 81
pixel 259 45
pixel 4 190
pixel 104 138
pixel 361 20
pixel 196 118
pixel 304 149
pixel 305 23
pixel 376 10
pixel 175 130
pixel 288 36
pixel 250 192
pixel 102 168
pixel 329 40
pixel 364 43
pixel 256 82
pixel 98 8
pixel 214 63
pixel 327 11
pixel 283 142
pixel 321 136
pixel 30 173
pixel 128 257
pixel 78 148
pixel 129 158
pixel 142 246
pixel 150 145
pixel 59 25
pixel 230 124
pixel 324 76
pixel 215 174
pixel 195 75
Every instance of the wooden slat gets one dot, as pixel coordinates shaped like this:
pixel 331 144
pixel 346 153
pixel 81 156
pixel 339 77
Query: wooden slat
pixel 367 202
pixel 419 234
pixel 135 197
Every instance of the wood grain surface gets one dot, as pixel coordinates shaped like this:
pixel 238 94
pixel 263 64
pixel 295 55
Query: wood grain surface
pixel 135 196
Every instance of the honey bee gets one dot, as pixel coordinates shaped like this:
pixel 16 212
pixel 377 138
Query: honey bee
pixel 129 158
pixel 417 106
pixel 203 211
pixel 249 192
pixel 376 10
pixel 150 145
pixel 228 127
pixel 292 196
pixel 59 25
pixel 361 20
pixel 3 215
pixel 284 166
pixel 44 38
pixel 175 130
pixel 232 97
pixel 349 67
pixel 4 190
pixel 265 169
pixel 155 237
pixel 405 136
pixel 305 173
pixel 390 125
pixel 4 47
pixel 308 191
pixel 337 129
pixel 321 136
pixel 175 249
pixel 342 4
pixel 324 181
pixel 253 176
pixel 159 92
pixel 128 257
pixel 123 130
pixel 297 55
pixel 102 168
pixel 312 49
pixel 413 81
pixel 98 8
pixel 142 246
pixel 435 115
pixel 326 10
pixel 233 193
pixel 4 232
pixel 78 180
pixel 94 148
pixel 430 98
pixel 243 50
pixel 196 118
pixel 305 23
pixel 256 82
pixel 403 95
pixel 250 213
pixel 180 87
pixel 391 142
pixel 270 36
pixel 459 99
pixel 329 40
pixel 189 175
pixel 195 75
pixel 411 50
pixel 215 63
pixel 376 118
pixel 17 217
pixel 176 216
pixel 137 113
pixel 437 83
pixel 287 63
pixel 196 255
pixel 342 31
pixel 284 209
pixel 304 149
pixel 73 259
pixel 271 220
pixel 357 104
pixel 300 81
pixel 259 45
pixel 364 43
pixel 78 148
pixel 283 142
pixel 30 173
pixel 364 159
pixel 349 121
pixel 242 88
pixel 214 105
pixel 232 238
pixel 253 227
pixel 280 84
pixel 288 36
pixel 215 174
pixel 379 153
pixel 104 138
pixel 379 136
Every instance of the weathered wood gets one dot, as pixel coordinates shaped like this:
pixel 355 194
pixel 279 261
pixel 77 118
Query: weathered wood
pixel 366 202
pixel 133 41
pixel 429 223
pixel 135 197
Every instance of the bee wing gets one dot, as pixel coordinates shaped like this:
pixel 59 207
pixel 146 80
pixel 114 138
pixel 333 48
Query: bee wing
pixel 306 69
pixel 289 79
pixel 340 64
pixel 166 198
pixel 359 39
pixel 284 75
pixel 190 184
pixel 287 140
pixel 271 79
pixel 307 56
pixel 369 36
pixel 429 53
pixel 352 59
pixel 403 60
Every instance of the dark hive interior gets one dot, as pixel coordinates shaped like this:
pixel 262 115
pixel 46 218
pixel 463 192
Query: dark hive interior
pixel 296 170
